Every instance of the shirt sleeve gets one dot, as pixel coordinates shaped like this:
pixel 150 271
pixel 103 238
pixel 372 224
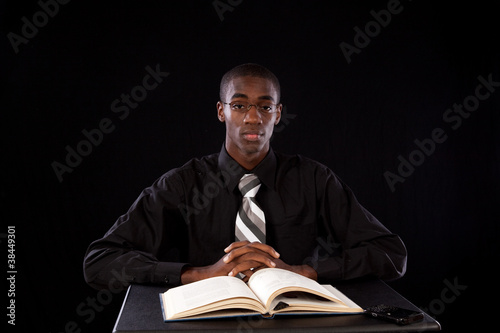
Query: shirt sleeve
pixel 146 245
pixel 360 244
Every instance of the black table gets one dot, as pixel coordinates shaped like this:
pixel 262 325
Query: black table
pixel 141 312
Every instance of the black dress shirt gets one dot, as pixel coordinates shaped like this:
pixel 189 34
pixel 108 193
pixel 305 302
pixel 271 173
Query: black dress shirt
pixel 187 217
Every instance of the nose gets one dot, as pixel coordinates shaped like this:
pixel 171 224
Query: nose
pixel 253 116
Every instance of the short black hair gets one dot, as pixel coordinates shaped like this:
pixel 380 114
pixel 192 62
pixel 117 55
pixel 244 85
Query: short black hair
pixel 249 69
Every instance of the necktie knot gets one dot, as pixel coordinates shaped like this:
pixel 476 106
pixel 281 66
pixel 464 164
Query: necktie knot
pixel 249 185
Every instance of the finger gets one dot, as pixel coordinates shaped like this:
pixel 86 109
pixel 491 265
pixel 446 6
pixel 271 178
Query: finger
pixel 261 249
pixel 237 253
pixel 245 275
pixel 265 248
pixel 250 272
pixel 235 245
pixel 249 254
pixel 246 266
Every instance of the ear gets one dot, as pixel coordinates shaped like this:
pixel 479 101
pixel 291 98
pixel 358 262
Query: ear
pixel 279 107
pixel 220 112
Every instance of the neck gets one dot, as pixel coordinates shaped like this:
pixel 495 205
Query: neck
pixel 248 160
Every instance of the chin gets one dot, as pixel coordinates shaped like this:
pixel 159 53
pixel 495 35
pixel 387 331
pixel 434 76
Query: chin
pixel 254 147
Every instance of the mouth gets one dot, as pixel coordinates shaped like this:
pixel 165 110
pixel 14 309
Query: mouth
pixel 252 135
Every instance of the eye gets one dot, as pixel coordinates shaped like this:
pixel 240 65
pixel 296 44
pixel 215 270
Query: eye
pixel 266 108
pixel 237 106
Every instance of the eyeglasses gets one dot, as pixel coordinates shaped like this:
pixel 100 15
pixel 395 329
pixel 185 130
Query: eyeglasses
pixel 243 107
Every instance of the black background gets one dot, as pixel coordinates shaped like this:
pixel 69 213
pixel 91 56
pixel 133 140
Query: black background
pixel 355 117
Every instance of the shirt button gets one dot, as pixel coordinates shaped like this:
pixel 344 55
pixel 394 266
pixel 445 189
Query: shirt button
pixel 167 280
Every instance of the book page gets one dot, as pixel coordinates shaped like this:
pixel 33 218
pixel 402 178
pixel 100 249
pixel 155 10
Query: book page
pixel 204 292
pixel 265 282
pixel 347 301
pixel 302 301
pixel 305 301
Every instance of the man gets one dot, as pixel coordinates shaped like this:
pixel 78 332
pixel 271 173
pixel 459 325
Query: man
pixel 193 223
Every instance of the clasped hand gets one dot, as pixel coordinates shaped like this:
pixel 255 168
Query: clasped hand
pixel 245 258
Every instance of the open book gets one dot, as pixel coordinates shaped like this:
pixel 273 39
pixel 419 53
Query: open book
pixel 269 291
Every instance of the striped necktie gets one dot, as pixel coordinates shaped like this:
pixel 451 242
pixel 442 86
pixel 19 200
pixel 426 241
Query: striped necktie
pixel 250 220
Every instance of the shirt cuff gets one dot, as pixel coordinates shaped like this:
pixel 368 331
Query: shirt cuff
pixel 168 273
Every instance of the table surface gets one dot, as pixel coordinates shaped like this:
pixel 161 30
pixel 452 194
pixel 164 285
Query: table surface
pixel 141 312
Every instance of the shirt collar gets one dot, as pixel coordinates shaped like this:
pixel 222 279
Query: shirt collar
pixel 265 170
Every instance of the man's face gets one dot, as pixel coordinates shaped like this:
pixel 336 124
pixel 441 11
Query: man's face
pixel 248 133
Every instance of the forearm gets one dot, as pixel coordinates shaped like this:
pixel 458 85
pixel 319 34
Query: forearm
pixel 305 270
pixel 191 274
pixel 105 268
pixel 384 258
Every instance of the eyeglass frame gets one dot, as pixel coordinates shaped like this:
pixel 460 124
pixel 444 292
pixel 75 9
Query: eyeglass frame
pixel 250 106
